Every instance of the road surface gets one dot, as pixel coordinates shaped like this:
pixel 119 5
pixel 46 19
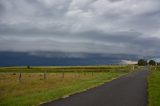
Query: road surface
pixel 129 90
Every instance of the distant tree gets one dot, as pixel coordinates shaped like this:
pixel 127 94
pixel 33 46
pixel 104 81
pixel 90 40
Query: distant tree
pixel 152 62
pixel 142 62
pixel 158 64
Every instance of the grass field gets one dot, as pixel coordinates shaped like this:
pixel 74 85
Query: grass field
pixel 154 87
pixel 53 69
pixel 27 87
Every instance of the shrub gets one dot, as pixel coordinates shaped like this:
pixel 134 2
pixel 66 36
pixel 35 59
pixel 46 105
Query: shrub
pixel 142 62
pixel 152 62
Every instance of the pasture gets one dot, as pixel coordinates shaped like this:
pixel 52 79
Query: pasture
pixel 35 85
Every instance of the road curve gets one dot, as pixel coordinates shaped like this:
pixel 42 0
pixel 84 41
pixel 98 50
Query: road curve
pixel 129 90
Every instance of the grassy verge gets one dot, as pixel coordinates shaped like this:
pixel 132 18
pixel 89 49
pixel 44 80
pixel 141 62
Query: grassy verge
pixel 154 87
pixel 34 90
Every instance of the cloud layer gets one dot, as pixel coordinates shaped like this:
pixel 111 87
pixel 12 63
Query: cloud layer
pixel 89 26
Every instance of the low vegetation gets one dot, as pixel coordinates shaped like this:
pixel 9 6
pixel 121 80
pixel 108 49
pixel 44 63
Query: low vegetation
pixel 152 62
pixel 154 87
pixel 23 86
pixel 143 62
pixel 53 69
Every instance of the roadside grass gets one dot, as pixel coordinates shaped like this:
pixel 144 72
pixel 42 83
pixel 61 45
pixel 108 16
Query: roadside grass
pixel 154 87
pixel 34 91
pixel 20 86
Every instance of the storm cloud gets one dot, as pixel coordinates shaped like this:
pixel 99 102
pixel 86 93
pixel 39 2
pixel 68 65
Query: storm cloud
pixel 81 26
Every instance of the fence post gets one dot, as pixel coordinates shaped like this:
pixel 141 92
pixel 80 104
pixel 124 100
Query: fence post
pixel 133 67
pixel 44 75
pixel 62 74
pixel 75 74
pixel 84 73
pixel 20 77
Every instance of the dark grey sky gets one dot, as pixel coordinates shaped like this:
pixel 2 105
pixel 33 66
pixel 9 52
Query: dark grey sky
pixel 91 26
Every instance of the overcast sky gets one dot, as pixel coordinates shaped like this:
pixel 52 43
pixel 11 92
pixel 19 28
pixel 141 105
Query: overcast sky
pixel 89 26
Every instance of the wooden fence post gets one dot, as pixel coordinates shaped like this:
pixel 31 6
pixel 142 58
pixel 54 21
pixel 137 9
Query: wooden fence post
pixel 44 75
pixel 62 74
pixel 75 74
pixel 133 67
pixel 20 77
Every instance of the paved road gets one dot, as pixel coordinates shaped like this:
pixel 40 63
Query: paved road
pixel 130 90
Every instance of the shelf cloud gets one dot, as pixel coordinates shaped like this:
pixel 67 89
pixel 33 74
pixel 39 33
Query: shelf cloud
pixel 82 26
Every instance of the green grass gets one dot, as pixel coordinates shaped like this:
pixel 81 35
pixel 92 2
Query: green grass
pixel 154 87
pixel 61 81
pixel 53 69
pixel 35 90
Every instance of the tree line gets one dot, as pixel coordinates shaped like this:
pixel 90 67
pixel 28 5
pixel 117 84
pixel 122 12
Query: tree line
pixel 143 62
